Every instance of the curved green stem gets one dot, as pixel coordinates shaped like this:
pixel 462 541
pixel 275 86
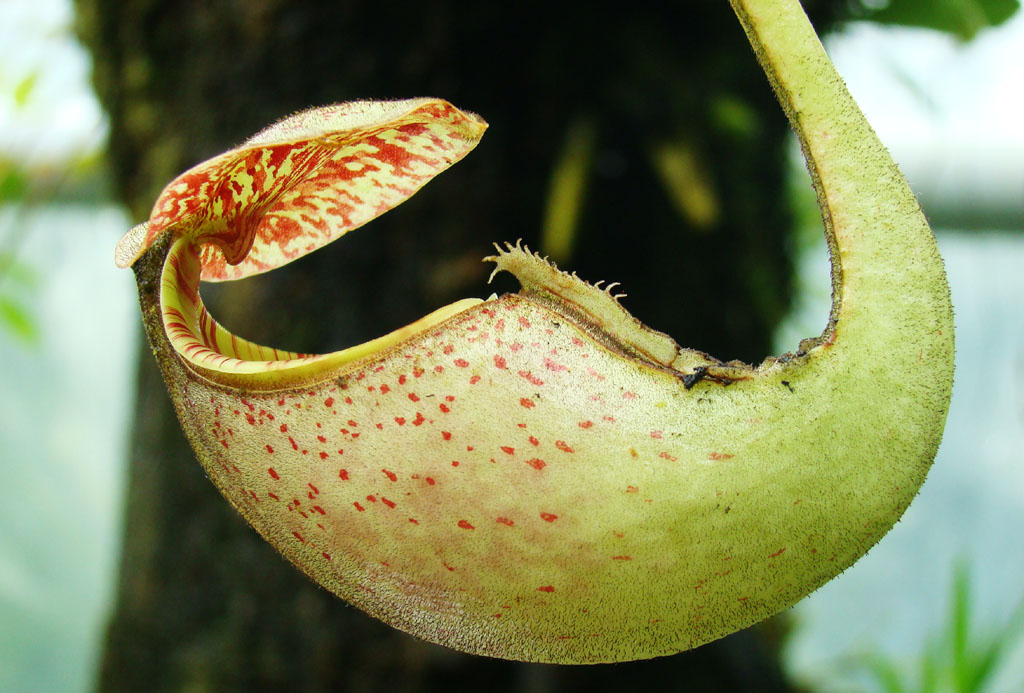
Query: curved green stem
pixel 882 249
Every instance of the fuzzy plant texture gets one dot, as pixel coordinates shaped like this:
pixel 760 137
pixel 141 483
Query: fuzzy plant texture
pixel 539 476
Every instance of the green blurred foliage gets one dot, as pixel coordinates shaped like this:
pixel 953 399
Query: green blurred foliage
pixel 962 18
pixel 16 282
pixel 14 183
pixel 17 320
pixel 23 187
pixel 23 89
pixel 16 278
pixel 962 658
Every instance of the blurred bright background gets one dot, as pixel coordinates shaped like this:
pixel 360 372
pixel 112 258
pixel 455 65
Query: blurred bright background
pixel 951 112
pixel 67 323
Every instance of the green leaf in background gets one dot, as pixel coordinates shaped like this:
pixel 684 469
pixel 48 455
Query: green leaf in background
pixel 886 674
pixel 17 320
pixel 962 659
pixel 962 18
pixel 14 184
pixel 14 318
pixel 23 89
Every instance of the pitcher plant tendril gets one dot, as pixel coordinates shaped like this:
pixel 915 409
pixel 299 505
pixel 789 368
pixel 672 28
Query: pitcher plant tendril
pixel 539 476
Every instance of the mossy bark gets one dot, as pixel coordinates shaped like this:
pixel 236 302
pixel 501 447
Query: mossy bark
pixel 203 602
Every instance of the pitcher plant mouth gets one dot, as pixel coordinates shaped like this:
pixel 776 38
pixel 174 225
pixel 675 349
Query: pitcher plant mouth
pixel 225 358
pixel 305 182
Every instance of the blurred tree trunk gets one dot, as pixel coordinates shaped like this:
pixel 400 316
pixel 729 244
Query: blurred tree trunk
pixel 203 603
